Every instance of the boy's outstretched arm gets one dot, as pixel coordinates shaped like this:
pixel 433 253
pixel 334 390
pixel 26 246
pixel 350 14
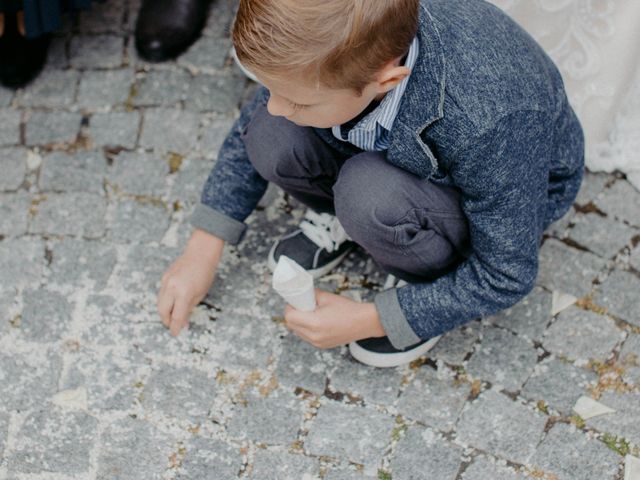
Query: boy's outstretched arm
pixel 187 280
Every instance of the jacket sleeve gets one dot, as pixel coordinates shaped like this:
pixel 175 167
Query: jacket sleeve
pixel 233 188
pixel 503 177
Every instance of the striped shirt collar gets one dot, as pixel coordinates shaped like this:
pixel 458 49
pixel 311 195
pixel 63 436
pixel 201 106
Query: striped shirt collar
pixel 372 131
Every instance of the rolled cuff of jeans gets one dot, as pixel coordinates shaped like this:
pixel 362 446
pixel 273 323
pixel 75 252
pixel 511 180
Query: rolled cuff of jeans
pixel 393 320
pixel 217 223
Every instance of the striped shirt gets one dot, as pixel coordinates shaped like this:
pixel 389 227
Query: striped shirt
pixel 371 133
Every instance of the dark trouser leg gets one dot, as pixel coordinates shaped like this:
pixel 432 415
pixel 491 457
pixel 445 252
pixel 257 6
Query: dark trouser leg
pixel 294 158
pixel 410 226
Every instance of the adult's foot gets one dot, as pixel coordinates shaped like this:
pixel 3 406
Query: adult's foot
pixel 166 28
pixel 21 58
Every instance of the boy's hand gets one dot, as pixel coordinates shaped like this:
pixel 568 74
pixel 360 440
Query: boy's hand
pixel 336 321
pixel 187 280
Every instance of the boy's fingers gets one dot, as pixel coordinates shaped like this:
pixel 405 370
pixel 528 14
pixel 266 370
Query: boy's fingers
pixel 165 303
pixel 179 316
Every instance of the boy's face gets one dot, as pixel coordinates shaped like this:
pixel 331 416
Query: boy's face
pixel 321 107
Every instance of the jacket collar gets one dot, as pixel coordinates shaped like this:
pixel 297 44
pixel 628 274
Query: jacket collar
pixel 422 103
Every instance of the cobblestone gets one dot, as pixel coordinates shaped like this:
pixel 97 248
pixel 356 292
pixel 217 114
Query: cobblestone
pixel 52 127
pixel 141 174
pixel 482 468
pixel 96 51
pixel 582 335
pixel 436 402
pixel 169 130
pixel 499 426
pixel 78 214
pixel 14 168
pixel 57 89
pixel 602 236
pixel 105 89
pixel 14 211
pixel 139 222
pixel 217 93
pixel 503 359
pixel 50 305
pixel 62 447
pixel 80 172
pixel 568 453
pixel 9 127
pixel 268 464
pixel 204 456
pixel 162 88
pixel 621 201
pixel 625 422
pixel 359 435
pixel 440 459
pixel 619 295
pixel 115 129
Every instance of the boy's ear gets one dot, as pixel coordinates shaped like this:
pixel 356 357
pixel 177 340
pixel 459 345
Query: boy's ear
pixel 391 76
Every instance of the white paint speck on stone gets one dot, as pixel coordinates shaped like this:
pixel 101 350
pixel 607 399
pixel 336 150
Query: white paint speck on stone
pixel 588 408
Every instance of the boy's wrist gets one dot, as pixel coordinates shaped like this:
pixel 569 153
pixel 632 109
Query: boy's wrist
pixel 373 326
pixel 204 244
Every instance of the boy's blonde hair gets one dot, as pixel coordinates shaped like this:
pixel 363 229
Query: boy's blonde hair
pixel 334 43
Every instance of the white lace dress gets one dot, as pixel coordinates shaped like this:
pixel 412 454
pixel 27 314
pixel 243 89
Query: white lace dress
pixel 596 45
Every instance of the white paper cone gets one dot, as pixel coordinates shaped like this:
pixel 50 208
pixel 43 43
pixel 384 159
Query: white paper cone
pixel 588 408
pixel 294 284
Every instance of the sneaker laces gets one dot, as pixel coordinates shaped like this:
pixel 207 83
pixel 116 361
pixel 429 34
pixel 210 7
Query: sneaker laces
pixel 324 230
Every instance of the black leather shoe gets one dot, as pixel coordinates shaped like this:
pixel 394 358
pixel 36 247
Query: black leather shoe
pixel 166 28
pixel 21 59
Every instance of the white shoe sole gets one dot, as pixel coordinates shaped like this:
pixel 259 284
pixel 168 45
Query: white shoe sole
pixel 315 273
pixel 387 360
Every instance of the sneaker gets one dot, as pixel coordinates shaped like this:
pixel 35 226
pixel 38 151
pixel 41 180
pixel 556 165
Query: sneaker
pixel 318 246
pixel 378 351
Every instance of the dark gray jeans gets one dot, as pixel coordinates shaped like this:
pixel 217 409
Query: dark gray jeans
pixel 410 226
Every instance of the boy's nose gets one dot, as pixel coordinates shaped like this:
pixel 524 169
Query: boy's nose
pixel 279 107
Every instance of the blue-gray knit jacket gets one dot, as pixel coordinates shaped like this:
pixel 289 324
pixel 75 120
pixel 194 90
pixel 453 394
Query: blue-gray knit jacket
pixel 485 110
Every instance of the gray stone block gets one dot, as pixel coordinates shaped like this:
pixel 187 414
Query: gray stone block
pixel 169 130
pixel 581 335
pixel 14 211
pixel 603 236
pixel 454 346
pixel 634 258
pixel 108 377
pixel 115 129
pixel 630 351
pixel 28 379
pixel 6 95
pixel 436 402
pixel 55 89
pixel 189 180
pixel 14 168
pixel 502 427
pixel 180 392
pixel 207 54
pixel 4 430
pixel 162 88
pixel 9 311
pixel 620 295
pixel 81 172
pixel 10 126
pixel 140 173
pixel 57 58
pixel 559 228
pixel 213 131
pixel 105 88
pixel 568 453
pixel 358 434
pixel 503 359
pixel 142 268
pixel 217 93
pixel 133 449
pixel 271 464
pixel 112 322
pixel 422 450
pixel 139 222
pixel 44 128
pixel 220 18
pixel 96 51
pixel 483 469
pixel 625 422
pixel 79 214
pixel 46 316
pixel 62 446
pixel 271 419
pixel 621 201
pixel 373 385
pixel 301 365
pixel 22 262
pixel 204 456
pixel 347 472
pixel 103 17
pixel 566 269
pixel 529 317
pixel 77 262
pixel 559 384
pixel 592 185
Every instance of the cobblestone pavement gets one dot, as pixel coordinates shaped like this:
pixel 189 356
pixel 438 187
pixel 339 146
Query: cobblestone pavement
pixel 103 158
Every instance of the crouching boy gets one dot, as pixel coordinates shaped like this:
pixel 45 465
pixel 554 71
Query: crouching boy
pixel 434 134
